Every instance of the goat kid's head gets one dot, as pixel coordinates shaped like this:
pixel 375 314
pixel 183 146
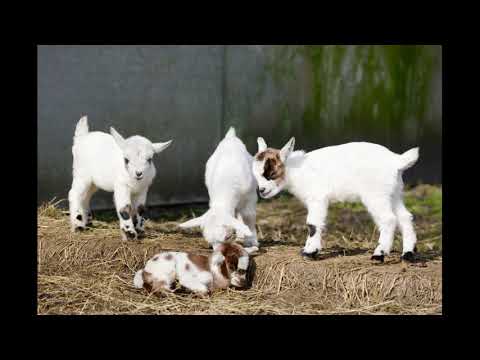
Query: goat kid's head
pixel 269 168
pixel 138 154
pixel 218 228
pixel 236 262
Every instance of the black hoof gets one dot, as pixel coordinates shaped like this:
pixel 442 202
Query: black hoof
pixel 408 256
pixel 79 228
pixel 309 255
pixel 129 234
pixel 379 258
pixel 415 249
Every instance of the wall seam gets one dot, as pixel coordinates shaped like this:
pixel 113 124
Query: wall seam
pixel 223 94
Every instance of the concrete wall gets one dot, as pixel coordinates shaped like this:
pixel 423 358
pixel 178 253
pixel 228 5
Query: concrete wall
pixel 323 95
pixel 162 92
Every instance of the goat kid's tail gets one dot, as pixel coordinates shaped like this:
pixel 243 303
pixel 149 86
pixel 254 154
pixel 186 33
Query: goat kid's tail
pixel 409 158
pixel 138 279
pixel 81 129
pixel 231 133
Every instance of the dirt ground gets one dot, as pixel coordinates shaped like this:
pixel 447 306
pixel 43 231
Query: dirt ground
pixel 92 272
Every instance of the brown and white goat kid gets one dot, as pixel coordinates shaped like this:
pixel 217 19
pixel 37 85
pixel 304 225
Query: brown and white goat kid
pixel 227 265
pixel 357 171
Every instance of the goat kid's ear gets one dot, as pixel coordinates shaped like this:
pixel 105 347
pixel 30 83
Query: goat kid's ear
pixel 287 149
pixel 159 147
pixel 262 145
pixel 118 138
pixel 198 221
pixel 241 229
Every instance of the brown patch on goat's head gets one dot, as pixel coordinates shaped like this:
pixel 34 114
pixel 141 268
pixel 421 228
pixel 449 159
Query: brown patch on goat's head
pixel 232 252
pixel 273 168
pixel 200 261
pixel 224 270
pixel 222 281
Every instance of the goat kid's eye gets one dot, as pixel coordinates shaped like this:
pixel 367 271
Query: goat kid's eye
pixel 126 161
pixel 149 160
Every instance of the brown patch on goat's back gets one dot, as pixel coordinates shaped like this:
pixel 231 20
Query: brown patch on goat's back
pixel 274 169
pixel 200 261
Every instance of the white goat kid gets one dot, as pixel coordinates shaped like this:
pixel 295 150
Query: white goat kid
pixel 355 171
pixel 232 191
pixel 114 164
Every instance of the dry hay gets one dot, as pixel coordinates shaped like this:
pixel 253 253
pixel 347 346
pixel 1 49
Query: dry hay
pixel 92 272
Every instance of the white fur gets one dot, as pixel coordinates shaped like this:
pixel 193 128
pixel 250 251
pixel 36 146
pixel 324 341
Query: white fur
pixel 232 191
pixel 138 279
pixel 99 163
pixel 355 171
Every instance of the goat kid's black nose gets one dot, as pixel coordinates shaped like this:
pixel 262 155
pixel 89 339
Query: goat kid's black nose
pixel 261 190
pixel 139 173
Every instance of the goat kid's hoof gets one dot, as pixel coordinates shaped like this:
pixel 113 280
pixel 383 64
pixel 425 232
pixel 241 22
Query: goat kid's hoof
pixel 378 258
pixel 408 257
pixel 79 229
pixel 309 256
pixel 129 235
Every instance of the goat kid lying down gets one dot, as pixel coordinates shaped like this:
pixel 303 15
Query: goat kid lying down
pixel 232 192
pixel 228 265
pixel 350 172
pixel 114 164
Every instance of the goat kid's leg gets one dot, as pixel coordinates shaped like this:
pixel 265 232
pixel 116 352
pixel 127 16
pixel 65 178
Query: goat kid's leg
pixel 382 213
pixel 193 283
pixel 405 223
pixel 125 211
pixel 140 213
pixel 76 199
pixel 249 217
pixel 86 204
pixel 317 214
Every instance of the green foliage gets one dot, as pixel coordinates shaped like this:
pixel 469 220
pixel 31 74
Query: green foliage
pixel 367 87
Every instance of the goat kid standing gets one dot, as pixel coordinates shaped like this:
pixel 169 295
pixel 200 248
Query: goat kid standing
pixel 350 172
pixel 232 191
pixel 114 164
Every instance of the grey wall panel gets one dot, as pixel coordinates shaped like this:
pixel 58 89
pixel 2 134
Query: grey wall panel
pixel 161 92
